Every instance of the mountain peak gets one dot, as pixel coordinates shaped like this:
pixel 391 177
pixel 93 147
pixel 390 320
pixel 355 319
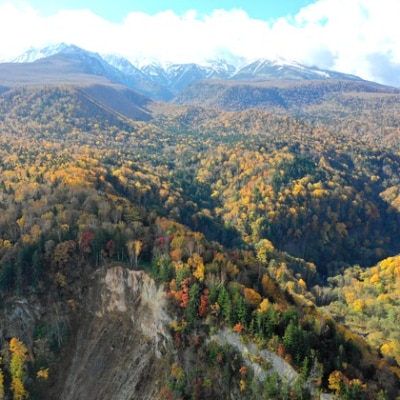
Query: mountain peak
pixel 123 65
pixel 279 68
pixel 277 61
pixel 34 54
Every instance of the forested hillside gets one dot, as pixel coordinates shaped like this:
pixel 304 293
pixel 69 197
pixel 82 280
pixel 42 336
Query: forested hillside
pixel 358 109
pixel 258 224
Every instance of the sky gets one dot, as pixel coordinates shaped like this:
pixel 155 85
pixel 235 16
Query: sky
pixel 354 36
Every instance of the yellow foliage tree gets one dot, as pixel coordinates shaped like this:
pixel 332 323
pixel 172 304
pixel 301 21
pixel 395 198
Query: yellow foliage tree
pixel 19 356
pixel 252 297
pixel 43 374
pixel 134 249
pixel 391 349
pixel 196 262
pixel 1 382
pixel 335 381
pixel 264 306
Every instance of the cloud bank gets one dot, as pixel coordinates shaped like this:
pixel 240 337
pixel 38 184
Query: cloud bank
pixel 353 36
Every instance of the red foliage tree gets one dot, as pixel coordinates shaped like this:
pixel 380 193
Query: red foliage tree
pixel 86 240
pixel 203 307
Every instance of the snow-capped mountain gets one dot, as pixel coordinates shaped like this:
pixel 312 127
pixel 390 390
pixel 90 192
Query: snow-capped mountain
pixel 113 68
pixel 221 69
pixel 34 54
pixel 264 69
pixel 123 65
pixel 182 75
pixel 156 72
pixel 162 81
pixel 176 76
pixel 90 62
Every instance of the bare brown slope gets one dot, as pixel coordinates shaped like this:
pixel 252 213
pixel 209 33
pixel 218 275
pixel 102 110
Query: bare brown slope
pixel 118 99
pixel 52 70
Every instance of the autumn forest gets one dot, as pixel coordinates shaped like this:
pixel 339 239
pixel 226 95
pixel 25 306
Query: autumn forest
pixel 274 227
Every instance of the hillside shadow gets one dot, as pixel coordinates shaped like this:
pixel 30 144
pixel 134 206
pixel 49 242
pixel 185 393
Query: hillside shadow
pixel 198 213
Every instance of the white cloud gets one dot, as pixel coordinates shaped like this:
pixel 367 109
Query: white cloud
pixel 353 36
pixel 13 20
pixel 350 33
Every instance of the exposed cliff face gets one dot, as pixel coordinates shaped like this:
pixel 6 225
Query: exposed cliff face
pixel 119 344
pixel 135 294
pixel 120 349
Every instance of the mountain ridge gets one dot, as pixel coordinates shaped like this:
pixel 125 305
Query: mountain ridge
pixel 162 81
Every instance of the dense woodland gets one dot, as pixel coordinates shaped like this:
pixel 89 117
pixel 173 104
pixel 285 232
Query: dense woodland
pixel 283 231
pixel 355 109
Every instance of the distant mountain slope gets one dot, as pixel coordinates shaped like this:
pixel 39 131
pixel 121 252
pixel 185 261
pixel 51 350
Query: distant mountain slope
pixel 57 69
pixel 232 95
pixel 264 69
pixel 71 64
pixel 67 63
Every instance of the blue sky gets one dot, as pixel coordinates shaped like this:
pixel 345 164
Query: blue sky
pixel 359 37
pixel 116 10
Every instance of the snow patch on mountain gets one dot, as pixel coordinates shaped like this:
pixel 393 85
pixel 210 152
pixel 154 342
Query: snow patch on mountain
pixel 123 65
pixel 34 54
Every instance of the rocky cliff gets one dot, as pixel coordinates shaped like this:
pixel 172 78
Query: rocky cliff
pixel 120 346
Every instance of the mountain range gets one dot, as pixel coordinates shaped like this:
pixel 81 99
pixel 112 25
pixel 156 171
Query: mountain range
pixel 158 81
pixel 131 89
pixel 115 85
